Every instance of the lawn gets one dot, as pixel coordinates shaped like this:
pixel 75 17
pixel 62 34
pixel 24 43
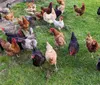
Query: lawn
pixel 79 71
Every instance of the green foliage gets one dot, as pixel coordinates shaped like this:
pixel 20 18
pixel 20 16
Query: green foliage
pixel 79 71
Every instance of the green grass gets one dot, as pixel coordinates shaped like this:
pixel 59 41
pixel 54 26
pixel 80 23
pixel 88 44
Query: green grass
pixel 79 71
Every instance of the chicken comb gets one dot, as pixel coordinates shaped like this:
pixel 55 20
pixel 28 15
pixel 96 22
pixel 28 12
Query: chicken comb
pixel 51 29
pixel 3 29
pixel 14 40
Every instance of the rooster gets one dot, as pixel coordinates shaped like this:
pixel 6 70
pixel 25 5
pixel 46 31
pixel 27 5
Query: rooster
pixel 91 44
pixel 73 45
pixel 79 11
pixel 59 24
pixel 59 37
pixel 12 48
pixel 37 57
pixel 51 55
pixel 48 9
pixel 49 17
pixel 98 11
pixel 98 65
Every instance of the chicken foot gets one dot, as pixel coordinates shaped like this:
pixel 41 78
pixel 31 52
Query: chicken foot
pixel 56 69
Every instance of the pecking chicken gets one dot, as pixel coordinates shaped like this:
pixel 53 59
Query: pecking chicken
pixel 98 65
pixel 48 9
pixel 37 57
pixel 12 48
pixel 73 45
pixel 79 11
pixel 91 44
pixel 24 23
pixel 51 55
pixel 59 24
pixel 98 11
pixel 59 37
pixel 49 17
pixel 9 16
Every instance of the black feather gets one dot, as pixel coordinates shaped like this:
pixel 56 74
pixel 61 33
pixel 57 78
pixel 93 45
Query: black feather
pixel 58 12
pixel 38 59
pixel 98 65
pixel 73 44
pixel 98 11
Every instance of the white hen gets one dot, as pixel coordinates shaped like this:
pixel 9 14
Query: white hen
pixel 48 17
pixel 29 44
pixel 51 55
pixel 59 24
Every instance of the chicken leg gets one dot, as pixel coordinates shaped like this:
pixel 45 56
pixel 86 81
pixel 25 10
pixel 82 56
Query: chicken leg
pixel 56 69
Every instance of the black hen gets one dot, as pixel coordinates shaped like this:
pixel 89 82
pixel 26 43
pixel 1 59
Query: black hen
pixel 37 58
pixel 57 11
pixel 98 65
pixel 73 45
pixel 98 11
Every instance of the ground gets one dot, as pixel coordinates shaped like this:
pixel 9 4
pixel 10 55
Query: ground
pixel 79 71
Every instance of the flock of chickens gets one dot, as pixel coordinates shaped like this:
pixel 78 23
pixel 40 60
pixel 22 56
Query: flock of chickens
pixel 23 37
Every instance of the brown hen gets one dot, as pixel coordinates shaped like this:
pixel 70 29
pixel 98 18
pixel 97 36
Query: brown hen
pixel 12 48
pixel 59 37
pixel 91 44
pixel 79 11
pixel 24 23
